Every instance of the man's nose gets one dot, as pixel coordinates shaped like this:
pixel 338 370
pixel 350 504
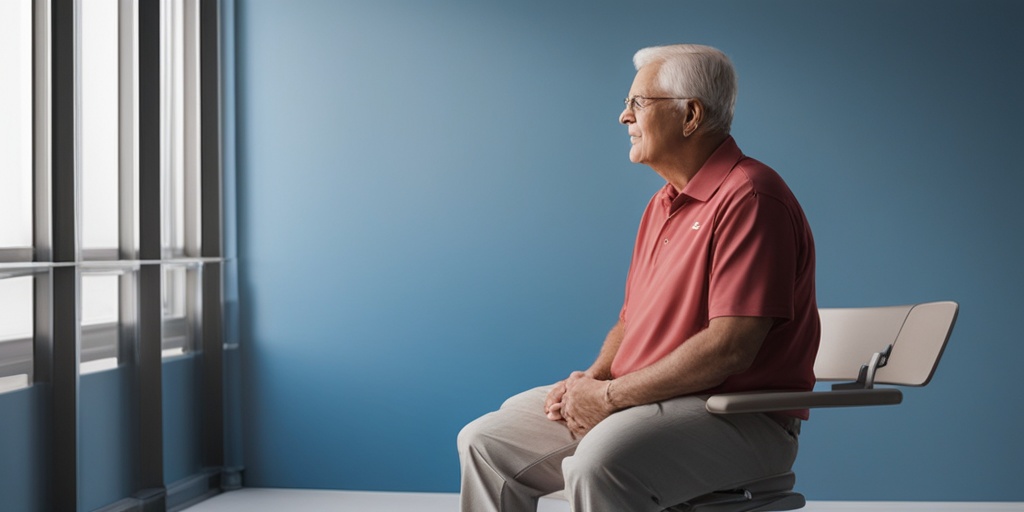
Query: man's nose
pixel 626 117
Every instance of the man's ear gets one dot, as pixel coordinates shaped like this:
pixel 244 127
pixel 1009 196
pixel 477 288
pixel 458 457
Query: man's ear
pixel 693 116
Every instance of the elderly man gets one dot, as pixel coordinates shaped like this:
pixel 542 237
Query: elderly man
pixel 719 298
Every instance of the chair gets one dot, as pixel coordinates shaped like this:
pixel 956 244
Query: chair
pixel 898 345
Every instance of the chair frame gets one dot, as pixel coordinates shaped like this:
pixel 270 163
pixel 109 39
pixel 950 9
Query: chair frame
pixel 908 341
pixel 860 347
pixel 914 336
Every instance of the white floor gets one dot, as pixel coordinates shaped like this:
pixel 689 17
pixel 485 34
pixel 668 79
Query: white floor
pixel 260 500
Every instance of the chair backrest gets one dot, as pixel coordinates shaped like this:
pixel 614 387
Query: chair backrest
pixel 917 332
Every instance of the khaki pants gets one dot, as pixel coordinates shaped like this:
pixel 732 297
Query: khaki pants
pixel 645 458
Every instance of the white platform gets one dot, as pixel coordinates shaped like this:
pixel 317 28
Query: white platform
pixel 299 500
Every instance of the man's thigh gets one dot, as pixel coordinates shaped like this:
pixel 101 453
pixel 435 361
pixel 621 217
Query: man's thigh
pixel 675 450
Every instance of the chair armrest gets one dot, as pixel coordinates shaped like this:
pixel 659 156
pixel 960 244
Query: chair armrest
pixel 733 403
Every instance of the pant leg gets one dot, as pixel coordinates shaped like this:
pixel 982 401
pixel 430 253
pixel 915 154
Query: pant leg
pixel 512 456
pixel 652 457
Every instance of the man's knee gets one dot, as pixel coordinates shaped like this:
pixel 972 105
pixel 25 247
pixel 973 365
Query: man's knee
pixel 470 435
pixel 590 466
pixel 599 477
pixel 483 438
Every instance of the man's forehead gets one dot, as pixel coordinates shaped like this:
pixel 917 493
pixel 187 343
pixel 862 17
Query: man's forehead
pixel 645 81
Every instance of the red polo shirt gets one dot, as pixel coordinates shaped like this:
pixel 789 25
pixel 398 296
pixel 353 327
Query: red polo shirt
pixel 733 242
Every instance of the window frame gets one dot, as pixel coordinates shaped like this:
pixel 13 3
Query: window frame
pixel 57 260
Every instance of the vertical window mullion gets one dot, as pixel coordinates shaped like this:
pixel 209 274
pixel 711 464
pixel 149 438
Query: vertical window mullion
pixel 128 197
pixel 211 188
pixel 41 169
pixel 212 298
pixel 149 119
pixel 41 139
pixel 63 186
pixel 148 369
pixel 63 292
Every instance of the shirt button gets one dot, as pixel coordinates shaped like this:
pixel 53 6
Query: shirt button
pixel 666 241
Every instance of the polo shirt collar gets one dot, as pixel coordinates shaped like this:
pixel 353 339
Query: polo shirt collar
pixel 711 175
pixel 707 180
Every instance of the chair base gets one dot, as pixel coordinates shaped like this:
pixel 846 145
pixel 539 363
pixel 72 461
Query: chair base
pixel 788 501
pixel 770 494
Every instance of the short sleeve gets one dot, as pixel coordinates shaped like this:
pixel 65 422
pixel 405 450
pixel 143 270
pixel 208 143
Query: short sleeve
pixel 753 259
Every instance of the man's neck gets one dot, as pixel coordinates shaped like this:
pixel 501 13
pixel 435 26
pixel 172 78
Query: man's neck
pixel 690 158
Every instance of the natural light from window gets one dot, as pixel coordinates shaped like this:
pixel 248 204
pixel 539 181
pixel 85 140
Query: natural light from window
pixel 100 314
pixel 15 308
pixel 176 329
pixel 16 299
pixel 172 116
pixel 16 123
pixel 99 134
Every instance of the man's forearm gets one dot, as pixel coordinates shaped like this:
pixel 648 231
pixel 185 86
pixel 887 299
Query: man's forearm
pixel 602 367
pixel 728 346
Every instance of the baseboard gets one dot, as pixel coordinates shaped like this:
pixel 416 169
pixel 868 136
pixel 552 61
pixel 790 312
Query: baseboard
pixel 146 500
pixel 194 489
pixel 181 494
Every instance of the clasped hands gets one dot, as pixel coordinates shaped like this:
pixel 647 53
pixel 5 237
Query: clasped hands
pixel 580 402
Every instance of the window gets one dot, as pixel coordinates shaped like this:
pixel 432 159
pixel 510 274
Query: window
pixel 102 210
pixel 101 321
pixel 16 331
pixel 180 172
pixel 178 286
pixel 180 129
pixel 15 130
pixel 98 136
pixel 16 198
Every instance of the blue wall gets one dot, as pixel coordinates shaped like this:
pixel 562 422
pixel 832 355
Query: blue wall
pixel 436 210
pixel 24 428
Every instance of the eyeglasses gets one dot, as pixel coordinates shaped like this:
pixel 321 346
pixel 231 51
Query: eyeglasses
pixel 634 103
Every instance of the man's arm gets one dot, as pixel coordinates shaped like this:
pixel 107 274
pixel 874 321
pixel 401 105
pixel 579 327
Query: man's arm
pixel 602 367
pixel 600 370
pixel 726 347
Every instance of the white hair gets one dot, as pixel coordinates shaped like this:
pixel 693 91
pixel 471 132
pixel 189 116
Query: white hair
pixel 695 71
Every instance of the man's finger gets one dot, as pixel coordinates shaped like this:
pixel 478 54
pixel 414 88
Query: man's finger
pixel 555 412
